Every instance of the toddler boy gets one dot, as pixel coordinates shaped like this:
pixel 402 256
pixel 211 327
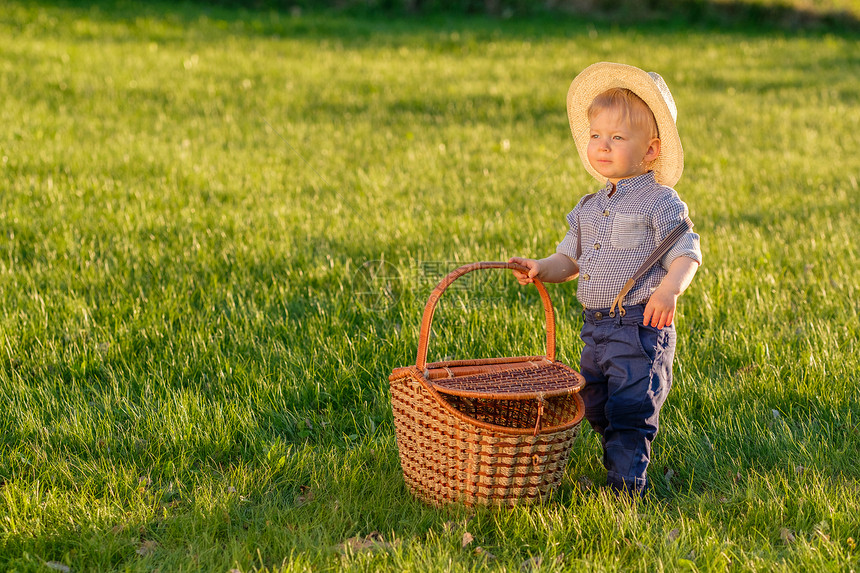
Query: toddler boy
pixel 623 122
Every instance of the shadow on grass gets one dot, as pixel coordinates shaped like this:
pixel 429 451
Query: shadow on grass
pixel 357 23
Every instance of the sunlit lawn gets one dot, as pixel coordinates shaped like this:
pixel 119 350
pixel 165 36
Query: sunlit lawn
pixel 194 375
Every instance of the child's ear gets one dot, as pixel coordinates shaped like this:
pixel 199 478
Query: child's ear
pixel 653 151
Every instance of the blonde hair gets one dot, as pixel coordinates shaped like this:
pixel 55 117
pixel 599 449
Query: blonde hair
pixel 634 110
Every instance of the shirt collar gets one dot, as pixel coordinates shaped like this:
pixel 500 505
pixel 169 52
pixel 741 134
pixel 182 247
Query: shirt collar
pixel 632 184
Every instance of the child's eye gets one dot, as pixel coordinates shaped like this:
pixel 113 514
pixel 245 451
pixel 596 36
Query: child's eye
pixel 618 137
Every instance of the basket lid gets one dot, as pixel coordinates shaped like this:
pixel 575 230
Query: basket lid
pixel 521 381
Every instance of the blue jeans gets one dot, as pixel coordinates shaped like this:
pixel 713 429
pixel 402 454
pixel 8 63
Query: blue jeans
pixel 628 373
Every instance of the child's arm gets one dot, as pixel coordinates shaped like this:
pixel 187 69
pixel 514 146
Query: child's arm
pixel 660 310
pixel 556 268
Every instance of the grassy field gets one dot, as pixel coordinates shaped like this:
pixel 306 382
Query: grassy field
pixel 194 363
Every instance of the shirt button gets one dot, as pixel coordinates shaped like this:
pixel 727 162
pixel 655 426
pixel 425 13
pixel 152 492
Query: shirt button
pixel 596 246
pixel 585 277
pixel 606 213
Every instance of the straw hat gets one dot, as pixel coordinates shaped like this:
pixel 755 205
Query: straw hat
pixel 649 86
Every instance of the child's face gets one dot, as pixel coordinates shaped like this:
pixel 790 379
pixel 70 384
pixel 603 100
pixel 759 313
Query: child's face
pixel 617 149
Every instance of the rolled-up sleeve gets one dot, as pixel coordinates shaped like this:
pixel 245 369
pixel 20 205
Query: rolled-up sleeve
pixel 567 246
pixel 668 214
pixel 569 242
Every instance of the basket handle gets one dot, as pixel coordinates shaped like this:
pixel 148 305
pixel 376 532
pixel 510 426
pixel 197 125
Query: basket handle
pixel 427 319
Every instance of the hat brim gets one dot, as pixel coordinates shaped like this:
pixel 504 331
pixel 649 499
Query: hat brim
pixel 598 78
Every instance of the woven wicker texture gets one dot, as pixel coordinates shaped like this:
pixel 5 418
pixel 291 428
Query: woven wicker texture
pixel 530 380
pixel 494 431
pixel 524 414
pixel 447 458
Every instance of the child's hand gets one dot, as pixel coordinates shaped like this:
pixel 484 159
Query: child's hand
pixel 660 310
pixel 531 264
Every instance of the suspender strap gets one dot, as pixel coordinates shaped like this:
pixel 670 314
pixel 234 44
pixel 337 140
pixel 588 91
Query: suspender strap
pixel 667 243
pixel 658 253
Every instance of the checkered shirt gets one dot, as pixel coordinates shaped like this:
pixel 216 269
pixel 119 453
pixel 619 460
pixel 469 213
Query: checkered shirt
pixel 618 234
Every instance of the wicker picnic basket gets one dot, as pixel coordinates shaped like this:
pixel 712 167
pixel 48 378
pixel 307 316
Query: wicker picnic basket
pixel 493 431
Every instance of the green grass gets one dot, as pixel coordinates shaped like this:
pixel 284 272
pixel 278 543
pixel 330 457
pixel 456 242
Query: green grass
pixel 192 379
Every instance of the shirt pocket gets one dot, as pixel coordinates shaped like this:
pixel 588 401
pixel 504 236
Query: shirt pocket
pixel 629 230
